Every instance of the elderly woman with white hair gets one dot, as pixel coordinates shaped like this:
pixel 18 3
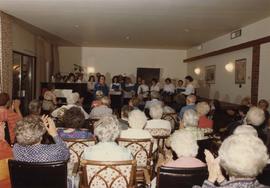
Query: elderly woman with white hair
pixel 203 109
pixel 186 149
pixel 245 129
pixel 243 157
pixel 137 121
pixel 255 117
pixel 157 126
pixel 72 101
pixel 107 131
pixel 102 110
pixel 190 123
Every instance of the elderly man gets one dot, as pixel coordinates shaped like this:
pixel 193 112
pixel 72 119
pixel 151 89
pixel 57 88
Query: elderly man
pixel 190 104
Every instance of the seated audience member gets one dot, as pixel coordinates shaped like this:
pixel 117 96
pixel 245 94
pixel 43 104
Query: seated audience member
pixel 107 131
pixel 72 100
pixel 34 108
pixel 73 120
pixel 243 157
pixel 49 99
pixel 10 113
pixel 246 101
pixel 263 104
pixel 29 134
pixel 123 122
pixel 190 104
pixel 157 126
pixel 154 101
pixel 137 120
pixel 255 117
pixel 190 123
pixel 245 129
pixel 5 154
pixel 186 149
pixel 189 90
pixel 134 102
pixel 102 110
pixel 203 109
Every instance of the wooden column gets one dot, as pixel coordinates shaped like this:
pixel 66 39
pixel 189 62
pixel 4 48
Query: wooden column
pixel 5 53
pixel 255 74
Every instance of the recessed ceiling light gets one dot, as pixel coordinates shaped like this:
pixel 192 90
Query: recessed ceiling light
pixel 76 26
pixel 186 30
pixel 128 37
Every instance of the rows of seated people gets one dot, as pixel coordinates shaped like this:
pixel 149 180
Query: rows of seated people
pixel 241 144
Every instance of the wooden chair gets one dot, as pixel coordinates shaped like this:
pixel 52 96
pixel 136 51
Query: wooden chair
pixel 109 174
pixel 141 150
pixel 41 175
pixel 76 148
pixel 180 177
pixel 263 178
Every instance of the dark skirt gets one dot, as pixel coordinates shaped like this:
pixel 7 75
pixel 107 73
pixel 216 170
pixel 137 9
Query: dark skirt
pixel 116 101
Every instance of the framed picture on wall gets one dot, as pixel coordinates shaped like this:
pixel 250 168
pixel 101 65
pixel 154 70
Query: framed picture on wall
pixel 240 71
pixel 210 74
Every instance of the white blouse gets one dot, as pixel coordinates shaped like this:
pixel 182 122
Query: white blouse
pixel 169 88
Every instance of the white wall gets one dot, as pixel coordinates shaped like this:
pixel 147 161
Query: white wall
pixel 264 82
pixel 124 60
pixel 251 32
pixel 23 40
pixel 224 88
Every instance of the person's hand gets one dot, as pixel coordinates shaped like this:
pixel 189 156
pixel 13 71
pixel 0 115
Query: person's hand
pixel 213 166
pixel 2 131
pixel 49 125
pixel 16 104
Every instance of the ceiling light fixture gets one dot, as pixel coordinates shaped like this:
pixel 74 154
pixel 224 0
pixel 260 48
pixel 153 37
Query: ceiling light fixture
pixel 186 30
pixel 76 26
pixel 127 37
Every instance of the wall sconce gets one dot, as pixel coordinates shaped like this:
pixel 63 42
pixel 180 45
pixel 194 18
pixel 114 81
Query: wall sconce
pixel 197 71
pixel 90 70
pixel 229 67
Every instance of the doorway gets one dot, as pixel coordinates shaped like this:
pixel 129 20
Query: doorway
pixel 24 79
pixel 148 74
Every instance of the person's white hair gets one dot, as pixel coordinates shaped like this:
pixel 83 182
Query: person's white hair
pixel 245 129
pixel 137 119
pixel 202 108
pixel 255 116
pixel 191 99
pixel 243 156
pixel 190 118
pixel 184 144
pixel 107 129
pixel 156 111
pixel 105 101
pixel 73 98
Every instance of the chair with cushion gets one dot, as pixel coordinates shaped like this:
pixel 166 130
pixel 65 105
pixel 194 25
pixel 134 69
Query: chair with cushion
pixel 109 174
pixel 38 175
pixel 180 177
pixel 172 118
pixel 76 148
pixel 141 150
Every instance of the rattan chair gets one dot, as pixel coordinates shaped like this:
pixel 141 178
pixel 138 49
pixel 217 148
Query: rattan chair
pixel 108 174
pixel 141 149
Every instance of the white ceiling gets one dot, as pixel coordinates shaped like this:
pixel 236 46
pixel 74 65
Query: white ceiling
pixel 177 24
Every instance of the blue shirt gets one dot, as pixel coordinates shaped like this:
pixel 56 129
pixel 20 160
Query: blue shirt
pixel 42 152
pixel 185 108
pixel 104 88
